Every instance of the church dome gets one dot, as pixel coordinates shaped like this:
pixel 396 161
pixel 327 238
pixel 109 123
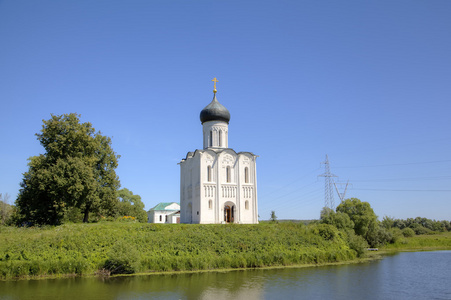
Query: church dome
pixel 214 111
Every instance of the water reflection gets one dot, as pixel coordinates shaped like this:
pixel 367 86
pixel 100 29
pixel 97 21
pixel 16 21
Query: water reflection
pixel 420 275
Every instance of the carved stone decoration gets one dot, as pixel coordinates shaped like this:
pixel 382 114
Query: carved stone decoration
pixel 209 159
pixel 228 159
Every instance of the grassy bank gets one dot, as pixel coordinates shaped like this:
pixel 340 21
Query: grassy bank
pixel 124 248
pixel 427 242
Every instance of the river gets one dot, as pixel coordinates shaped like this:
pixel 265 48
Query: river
pixel 407 275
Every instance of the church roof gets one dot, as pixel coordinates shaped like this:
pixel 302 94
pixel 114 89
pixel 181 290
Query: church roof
pixel 163 205
pixel 214 111
pixel 215 152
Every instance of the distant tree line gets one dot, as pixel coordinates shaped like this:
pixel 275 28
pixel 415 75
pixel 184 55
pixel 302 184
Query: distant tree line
pixel 357 219
pixel 73 181
pixel 418 225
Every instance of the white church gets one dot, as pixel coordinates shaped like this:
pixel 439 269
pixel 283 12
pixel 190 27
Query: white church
pixel 217 184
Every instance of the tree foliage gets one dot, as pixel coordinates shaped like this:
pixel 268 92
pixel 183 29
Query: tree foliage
pixel 365 221
pixel 422 225
pixel 273 216
pixel 360 213
pixel 77 171
pixel 338 219
pixel 131 205
pixel 6 210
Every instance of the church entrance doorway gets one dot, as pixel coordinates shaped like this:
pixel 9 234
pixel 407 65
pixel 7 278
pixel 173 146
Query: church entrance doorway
pixel 229 213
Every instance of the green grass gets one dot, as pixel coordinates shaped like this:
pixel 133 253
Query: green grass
pixel 438 241
pixel 121 248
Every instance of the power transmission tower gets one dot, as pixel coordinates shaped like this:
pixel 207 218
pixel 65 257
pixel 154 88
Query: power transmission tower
pixel 328 186
pixel 341 195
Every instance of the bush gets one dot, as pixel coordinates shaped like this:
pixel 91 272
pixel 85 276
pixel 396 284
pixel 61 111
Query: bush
pixel 408 232
pixel 357 243
pixel 327 232
pixel 396 234
pixel 123 258
pixel 419 229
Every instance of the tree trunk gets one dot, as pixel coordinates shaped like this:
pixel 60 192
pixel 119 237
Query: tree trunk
pixel 86 217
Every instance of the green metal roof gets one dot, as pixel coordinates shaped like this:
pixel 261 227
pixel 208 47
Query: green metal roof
pixel 162 205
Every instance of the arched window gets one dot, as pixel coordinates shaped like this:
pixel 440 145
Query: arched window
pixel 246 175
pixel 228 175
pixel 209 173
pixel 220 138
pixel 246 204
pixel 210 204
pixel 161 218
pixel 166 219
pixel 211 138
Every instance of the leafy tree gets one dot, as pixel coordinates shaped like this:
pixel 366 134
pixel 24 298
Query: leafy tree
pixel 408 232
pixel 6 210
pixel 365 221
pixel 131 205
pixel 273 216
pixel 360 213
pixel 388 222
pixel 419 229
pixel 338 219
pixel 325 212
pixel 77 170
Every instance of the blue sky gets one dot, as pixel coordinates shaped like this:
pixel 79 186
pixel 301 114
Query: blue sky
pixel 366 82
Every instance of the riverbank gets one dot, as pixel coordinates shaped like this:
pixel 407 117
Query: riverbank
pixel 427 242
pixel 111 248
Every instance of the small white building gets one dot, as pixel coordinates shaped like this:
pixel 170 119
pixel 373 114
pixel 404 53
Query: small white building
pixel 217 184
pixel 165 212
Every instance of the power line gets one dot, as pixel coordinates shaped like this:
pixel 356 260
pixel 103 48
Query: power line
pixel 404 179
pixel 283 187
pixel 404 164
pixel 402 190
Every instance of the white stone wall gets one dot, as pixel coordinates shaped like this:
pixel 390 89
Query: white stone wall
pixel 237 192
pixel 190 189
pixel 173 218
pixel 215 134
pixel 153 216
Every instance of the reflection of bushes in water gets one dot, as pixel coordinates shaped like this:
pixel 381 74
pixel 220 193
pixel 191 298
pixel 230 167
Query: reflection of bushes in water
pixel 125 248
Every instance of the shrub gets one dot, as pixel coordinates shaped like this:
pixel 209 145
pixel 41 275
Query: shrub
pixel 408 232
pixel 123 258
pixel 396 234
pixel 419 229
pixel 357 243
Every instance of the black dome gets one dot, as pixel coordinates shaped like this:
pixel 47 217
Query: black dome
pixel 214 111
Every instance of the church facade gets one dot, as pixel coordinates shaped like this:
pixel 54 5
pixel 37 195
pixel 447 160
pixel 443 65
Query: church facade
pixel 218 184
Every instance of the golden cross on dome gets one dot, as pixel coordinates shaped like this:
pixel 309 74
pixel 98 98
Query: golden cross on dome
pixel 215 80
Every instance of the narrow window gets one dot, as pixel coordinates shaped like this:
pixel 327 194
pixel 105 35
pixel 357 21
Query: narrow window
pixel 209 173
pixel 161 218
pixel 210 204
pixel 166 219
pixel 228 174
pixel 246 204
pixel 220 138
pixel 211 138
pixel 246 175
